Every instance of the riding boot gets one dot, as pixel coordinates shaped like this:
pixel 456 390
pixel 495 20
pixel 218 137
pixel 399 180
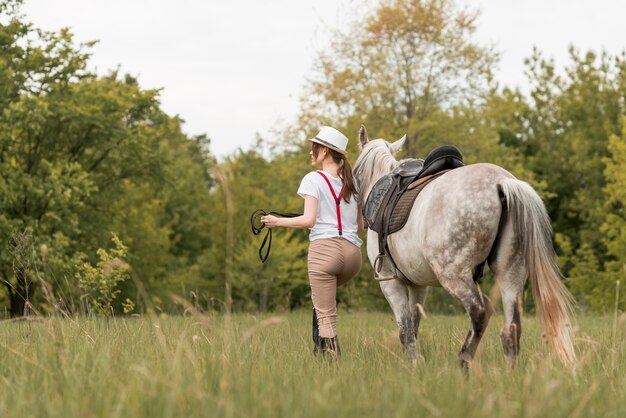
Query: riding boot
pixel 329 347
pixel 315 334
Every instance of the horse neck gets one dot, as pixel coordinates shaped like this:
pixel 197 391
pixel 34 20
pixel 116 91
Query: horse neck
pixel 383 165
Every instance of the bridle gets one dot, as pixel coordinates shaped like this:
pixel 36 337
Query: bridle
pixel 256 230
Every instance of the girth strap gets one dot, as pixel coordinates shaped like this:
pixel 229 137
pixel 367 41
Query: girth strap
pixel 337 201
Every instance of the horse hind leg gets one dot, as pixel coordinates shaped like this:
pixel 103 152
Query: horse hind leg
pixel 477 306
pixel 511 277
pixel 511 331
pixel 510 272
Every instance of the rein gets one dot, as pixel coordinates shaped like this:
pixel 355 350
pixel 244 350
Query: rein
pixel 256 230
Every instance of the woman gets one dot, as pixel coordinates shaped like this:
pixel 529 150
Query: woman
pixel 331 212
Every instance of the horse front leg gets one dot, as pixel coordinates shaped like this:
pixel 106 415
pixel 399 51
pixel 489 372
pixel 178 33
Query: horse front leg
pixel 397 294
pixel 417 297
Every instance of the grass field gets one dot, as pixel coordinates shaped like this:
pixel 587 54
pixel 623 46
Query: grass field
pixel 261 366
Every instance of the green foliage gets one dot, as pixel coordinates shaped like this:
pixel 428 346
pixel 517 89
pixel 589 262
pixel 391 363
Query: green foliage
pixel 257 182
pixel 614 227
pixel 99 283
pixel 587 282
pixel 570 143
pixel 597 286
pixel 83 156
pixel 571 119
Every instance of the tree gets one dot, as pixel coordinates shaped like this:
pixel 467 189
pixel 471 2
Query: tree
pixel 35 190
pixel 269 184
pixel 570 119
pixel 397 69
pixel 83 156
pixel 614 227
pixel 595 286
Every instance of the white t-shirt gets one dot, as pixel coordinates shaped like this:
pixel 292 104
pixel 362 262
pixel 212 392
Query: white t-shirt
pixel 313 184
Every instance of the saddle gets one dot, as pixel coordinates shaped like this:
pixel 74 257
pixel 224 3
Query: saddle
pixel 389 204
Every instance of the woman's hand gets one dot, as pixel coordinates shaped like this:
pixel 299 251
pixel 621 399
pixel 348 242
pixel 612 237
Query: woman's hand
pixel 270 221
pixel 306 220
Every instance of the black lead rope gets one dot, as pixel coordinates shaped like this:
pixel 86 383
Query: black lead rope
pixel 256 230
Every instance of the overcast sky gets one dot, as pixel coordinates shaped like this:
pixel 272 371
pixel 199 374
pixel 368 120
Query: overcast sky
pixel 232 68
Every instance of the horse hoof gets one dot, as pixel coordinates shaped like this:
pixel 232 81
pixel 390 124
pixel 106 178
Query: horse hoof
pixel 465 362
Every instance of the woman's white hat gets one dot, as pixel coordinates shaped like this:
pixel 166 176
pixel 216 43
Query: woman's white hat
pixel 331 138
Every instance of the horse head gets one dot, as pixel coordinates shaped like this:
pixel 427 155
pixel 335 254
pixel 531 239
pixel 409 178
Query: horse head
pixel 394 147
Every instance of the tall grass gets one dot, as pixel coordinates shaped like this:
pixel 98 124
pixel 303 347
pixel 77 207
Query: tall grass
pixel 251 366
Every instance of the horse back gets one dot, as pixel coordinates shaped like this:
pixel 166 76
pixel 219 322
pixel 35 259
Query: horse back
pixel 456 216
pixel 463 199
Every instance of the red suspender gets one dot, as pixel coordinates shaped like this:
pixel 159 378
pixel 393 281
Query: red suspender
pixel 337 201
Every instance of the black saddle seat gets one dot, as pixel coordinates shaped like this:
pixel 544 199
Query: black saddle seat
pixel 446 157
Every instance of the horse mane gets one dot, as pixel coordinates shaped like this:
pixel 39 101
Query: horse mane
pixel 374 161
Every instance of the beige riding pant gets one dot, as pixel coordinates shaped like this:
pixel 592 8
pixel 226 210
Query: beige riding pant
pixel 332 262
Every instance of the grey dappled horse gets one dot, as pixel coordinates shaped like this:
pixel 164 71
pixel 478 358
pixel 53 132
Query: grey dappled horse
pixel 458 221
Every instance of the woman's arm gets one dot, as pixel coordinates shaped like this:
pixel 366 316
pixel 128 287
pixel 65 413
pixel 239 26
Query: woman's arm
pixel 306 220
pixel 359 220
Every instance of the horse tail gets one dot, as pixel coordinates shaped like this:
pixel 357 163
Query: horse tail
pixel 553 301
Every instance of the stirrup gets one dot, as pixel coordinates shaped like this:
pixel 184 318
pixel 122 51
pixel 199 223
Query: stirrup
pixel 378 263
pixel 380 278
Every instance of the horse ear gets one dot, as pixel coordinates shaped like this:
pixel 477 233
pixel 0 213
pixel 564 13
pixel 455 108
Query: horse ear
pixel 396 146
pixel 363 136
